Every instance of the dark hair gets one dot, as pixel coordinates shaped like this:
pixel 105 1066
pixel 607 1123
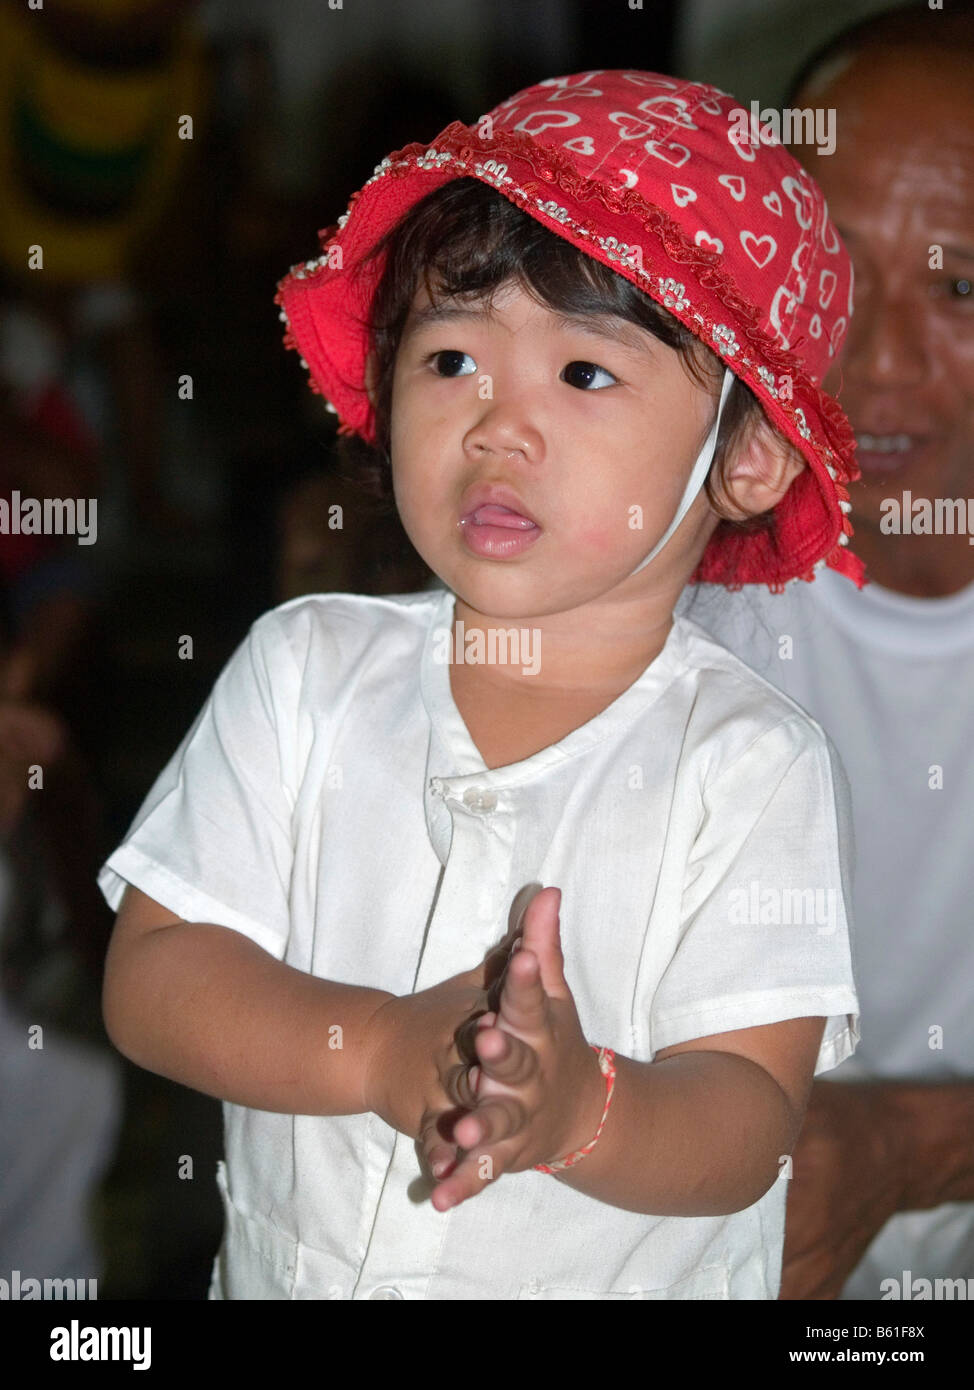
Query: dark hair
pixel 912 27
pixel 467 240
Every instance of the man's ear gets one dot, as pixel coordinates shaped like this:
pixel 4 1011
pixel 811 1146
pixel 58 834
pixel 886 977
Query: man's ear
pixel 760 469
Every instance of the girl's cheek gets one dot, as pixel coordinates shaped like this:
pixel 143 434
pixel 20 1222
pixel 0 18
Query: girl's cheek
pixel 601 540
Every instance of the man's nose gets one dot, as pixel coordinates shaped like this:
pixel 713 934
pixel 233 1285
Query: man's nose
pixel 886 343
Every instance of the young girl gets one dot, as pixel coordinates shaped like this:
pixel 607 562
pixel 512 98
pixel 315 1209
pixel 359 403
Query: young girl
pixel 554 327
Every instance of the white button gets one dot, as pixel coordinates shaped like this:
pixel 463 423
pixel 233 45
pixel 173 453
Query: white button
pixel 385 1291
pixel 479 799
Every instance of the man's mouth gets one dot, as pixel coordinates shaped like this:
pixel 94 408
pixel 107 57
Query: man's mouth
pixel 884 443
pixel 881 454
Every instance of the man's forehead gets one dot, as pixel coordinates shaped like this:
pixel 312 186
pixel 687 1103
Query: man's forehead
pixel 899 89
pixel 902 127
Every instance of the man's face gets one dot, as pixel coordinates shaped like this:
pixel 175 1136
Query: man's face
pixel 593 439
pixel 899 185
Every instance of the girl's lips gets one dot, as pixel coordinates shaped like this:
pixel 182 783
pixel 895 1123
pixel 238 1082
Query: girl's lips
pixel 496 533
pixel 493 515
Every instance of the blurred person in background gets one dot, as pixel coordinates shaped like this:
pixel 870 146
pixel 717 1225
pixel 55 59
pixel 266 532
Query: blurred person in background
pixel 90 94
pixel 882 1193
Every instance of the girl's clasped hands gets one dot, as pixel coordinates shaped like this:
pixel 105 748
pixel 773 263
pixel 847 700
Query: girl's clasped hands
pixel 517 1084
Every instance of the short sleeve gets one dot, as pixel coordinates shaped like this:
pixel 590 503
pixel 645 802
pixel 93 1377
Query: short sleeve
pixel 764 933
pixel 212 841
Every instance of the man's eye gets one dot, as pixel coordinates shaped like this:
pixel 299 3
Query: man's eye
pixel 448 360
pixel 582 374
pixel 956 291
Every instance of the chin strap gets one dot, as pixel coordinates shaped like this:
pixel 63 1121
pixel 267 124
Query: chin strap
pixel 697 476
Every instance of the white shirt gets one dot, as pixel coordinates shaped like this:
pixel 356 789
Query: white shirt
pixel 329 803
pixel 890 677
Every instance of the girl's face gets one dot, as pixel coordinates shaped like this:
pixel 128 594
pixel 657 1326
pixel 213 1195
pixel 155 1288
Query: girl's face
pixel 537 460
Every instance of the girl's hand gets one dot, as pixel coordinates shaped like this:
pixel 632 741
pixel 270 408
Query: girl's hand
pixel 537 1093
pixel 420 1045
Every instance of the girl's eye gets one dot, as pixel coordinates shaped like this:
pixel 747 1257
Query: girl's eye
pixel 448 362
pixel 582 374
pixel 448 358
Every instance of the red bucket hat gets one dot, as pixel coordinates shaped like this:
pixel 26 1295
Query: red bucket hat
pixel 662 181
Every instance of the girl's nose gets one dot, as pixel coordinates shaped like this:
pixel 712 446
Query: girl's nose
pixel 504 438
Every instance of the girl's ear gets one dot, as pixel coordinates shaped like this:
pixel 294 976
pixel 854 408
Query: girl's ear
pixel 759 471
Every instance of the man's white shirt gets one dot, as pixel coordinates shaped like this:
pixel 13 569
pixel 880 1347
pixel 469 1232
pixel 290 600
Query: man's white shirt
pixel 890 677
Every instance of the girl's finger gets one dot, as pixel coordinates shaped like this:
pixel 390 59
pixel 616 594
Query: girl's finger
pixel 523 1002
pixel 463 1039
pixel 441 1159
pixel 542 936
pixel 505 1058
pixel 461 1084
pixel 472 1174
pixel 438 1155
pixel 493 1120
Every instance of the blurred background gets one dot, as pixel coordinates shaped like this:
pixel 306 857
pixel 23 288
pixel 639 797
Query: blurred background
pixel 142 365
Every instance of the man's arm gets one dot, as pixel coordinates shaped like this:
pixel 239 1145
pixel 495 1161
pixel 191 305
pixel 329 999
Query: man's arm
pixel 933 1132
pixel 867 1151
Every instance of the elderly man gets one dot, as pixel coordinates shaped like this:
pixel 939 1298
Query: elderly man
pixel 882 1186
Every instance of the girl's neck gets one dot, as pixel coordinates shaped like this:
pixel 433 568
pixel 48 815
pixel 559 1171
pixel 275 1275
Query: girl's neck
pixel 556 656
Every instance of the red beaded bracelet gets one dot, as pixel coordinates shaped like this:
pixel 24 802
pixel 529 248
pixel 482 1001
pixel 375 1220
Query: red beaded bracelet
pixel 608 1068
